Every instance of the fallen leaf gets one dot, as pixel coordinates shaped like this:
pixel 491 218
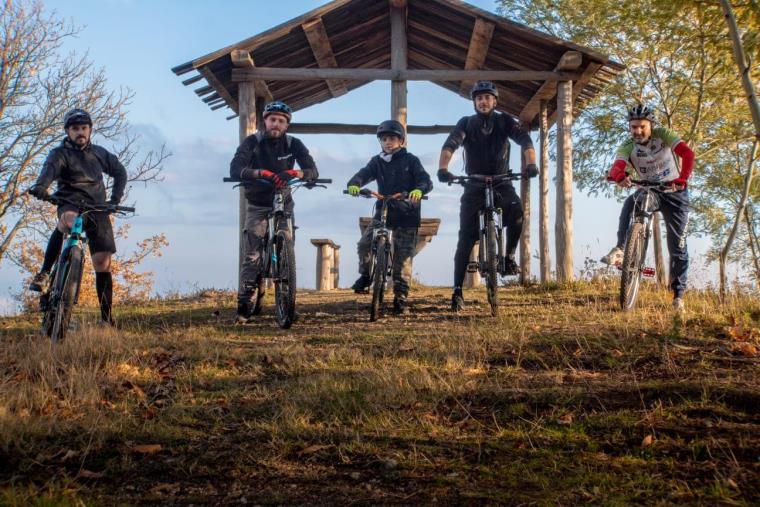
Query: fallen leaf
pixel 616 353
pixel 69 454
pixel 145 448
pixel 648 441
pixel 566 419
pixel 312 449
pixel 91 475
pixel 745 349
pixel 740 333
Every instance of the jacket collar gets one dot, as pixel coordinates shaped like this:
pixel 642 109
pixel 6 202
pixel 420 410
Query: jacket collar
pixel 68 143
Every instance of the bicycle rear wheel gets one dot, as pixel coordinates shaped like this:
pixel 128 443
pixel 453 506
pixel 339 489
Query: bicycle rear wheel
pixel 378 279
pixel 492 266
pixel 285 281
pixel 67 290
pixel 633 261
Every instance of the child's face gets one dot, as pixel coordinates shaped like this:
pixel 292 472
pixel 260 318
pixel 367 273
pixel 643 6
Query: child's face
pixel 390 143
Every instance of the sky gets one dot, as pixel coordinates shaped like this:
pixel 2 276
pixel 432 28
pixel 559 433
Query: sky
pixel 137 42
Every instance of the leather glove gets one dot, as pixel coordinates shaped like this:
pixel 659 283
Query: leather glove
pixel 39 192
pixel 531 171
pixel 415 195
pixel 353 190
pixel 444 176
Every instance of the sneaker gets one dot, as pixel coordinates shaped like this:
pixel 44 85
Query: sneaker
pixel 678 304
pixel 614 257
pixel 361 285
pixel 457 300
pixel 39 282
pixel 400 306
pixel 510 266
pixel 243 313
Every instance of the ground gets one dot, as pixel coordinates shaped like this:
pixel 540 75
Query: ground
pixel 562 399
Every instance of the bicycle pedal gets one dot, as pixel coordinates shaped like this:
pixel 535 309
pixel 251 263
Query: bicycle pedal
pixel 472 267
pixel 648 271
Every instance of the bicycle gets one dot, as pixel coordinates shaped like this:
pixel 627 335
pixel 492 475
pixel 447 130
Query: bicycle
pixel 646 204
pixel 279 254
pixel 491 258
pixel 381 251
pixel 58 299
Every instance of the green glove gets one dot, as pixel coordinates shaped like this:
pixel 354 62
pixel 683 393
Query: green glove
pixel 415 195
pixel 353 190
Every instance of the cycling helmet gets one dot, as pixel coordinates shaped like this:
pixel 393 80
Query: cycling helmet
pixel 76 117
pixel 483 87
pixel 641 112
pixel 278 107
pixel 391 127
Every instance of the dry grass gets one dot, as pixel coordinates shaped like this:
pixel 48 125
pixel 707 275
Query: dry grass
pixel 562 399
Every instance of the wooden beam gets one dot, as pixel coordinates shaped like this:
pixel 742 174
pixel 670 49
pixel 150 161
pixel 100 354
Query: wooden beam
pixel 217 85
pixel 571 60
pixel 543 196
pixel 363 74
pixel 358 129
pixel 242 59
pixel 579 85
pixel 247 123
pixel 563 228
pixel 316 34
pixel 399 59
pixel 192 80
pixel 480 41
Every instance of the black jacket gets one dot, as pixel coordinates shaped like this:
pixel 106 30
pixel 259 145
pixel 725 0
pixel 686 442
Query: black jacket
pixel 276 155
pixel 79 173
pixel 486 141
pixel 403 173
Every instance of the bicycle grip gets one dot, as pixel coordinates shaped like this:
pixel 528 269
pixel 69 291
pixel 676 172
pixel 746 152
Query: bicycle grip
pixel 231 180
pixel 125 209
pixel 320 181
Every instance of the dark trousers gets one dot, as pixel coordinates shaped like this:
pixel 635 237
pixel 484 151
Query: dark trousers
pixel 472 201
pixel 674 207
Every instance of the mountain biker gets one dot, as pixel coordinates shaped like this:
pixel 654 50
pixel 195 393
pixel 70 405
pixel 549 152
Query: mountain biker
pixel 485 137
pixel 395 170
pixel 78 166
pixel 652 154
pixel 267 158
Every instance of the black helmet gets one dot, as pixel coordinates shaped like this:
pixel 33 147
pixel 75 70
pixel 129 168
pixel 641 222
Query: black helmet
pixel 641 112
pixel 76 117
pixel 278 107
pixel 391 127
pixel 483 87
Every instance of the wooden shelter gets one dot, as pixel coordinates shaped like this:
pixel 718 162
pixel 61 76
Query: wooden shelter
pixel 346 44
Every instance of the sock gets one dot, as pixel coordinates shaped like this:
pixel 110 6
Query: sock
pixel 52 251
pixel 104 287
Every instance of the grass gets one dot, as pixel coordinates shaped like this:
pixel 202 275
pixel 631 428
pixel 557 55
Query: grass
pixel 562 399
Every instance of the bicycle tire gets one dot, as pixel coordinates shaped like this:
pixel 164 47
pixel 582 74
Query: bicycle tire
pixel 285 282
pixel 67 294
pixel 378 279
pixel 492 267
pixel 633 260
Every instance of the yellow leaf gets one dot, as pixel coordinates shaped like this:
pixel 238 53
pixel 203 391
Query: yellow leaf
pixel 648 441
pixel 145 448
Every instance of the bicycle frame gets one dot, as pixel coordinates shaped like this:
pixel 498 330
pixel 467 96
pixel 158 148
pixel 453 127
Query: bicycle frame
pixel 490 213
pixel 274 219
pixel 382 231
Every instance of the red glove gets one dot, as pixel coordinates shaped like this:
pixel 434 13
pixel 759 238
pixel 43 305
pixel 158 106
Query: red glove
pixel 680 183
pixel 290 174
pixel 269 175
pixel 617 172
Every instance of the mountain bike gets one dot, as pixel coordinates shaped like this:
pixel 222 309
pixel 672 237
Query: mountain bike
pixel 279 259
pixel 58 299
pixel 491 258
pixel 646 203
pixel 381 251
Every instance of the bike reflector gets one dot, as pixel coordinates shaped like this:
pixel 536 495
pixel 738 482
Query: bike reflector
pixel 648 272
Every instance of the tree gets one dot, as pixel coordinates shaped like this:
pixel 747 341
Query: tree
pixel 677 58
pixel 38 84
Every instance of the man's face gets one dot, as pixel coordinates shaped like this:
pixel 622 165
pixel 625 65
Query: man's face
pixel 79 134
pixel 390 143
pixel 276 125
pixel 485 103
pixel 641 130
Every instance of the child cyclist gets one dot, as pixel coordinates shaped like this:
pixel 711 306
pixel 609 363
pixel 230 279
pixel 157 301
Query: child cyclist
pixel 395 170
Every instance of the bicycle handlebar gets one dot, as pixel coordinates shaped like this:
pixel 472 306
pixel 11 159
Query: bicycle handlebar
pixel 367 193
pixel 306 183
pixel 85 206
pixel 484 178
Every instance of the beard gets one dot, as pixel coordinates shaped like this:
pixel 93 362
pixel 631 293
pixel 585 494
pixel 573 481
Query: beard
pixel 274 134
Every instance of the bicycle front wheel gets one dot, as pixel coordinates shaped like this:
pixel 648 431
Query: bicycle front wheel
pixel 285 281
pixel 492 266
pixel 378 279
pixel 633 261
pixel 67 289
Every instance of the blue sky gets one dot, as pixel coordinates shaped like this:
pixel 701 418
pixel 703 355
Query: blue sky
pixel 139 41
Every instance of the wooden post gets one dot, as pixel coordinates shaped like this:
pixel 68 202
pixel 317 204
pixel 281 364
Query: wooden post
pixel 472 280
pixel 563 228
pixel 336 267
pixel 543 206
pixel 659 260
pixel 325 261
pixel 247 126
pixel 398 10
pixel 525 237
